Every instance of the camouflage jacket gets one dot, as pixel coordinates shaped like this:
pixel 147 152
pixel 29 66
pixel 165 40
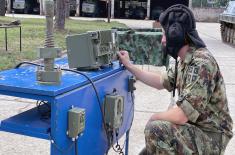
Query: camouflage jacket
pixel 202 94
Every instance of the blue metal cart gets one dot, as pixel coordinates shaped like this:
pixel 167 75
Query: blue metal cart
pixel 75 90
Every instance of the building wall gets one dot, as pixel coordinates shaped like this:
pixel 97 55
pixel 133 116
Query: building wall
pixel 163 4
pixel 207 14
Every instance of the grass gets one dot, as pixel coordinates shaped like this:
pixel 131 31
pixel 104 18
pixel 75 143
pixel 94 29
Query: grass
pixel 33 34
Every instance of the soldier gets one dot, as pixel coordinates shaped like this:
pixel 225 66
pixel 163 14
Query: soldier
pixel 200 122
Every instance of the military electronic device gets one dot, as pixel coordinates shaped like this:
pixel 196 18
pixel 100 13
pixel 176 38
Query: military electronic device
pixel 113 111
pixel 91 50
pixel 76 122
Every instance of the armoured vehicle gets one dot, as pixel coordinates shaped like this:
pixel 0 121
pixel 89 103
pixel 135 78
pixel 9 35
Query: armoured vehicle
pixel 135 9
pixel 156 12
pixel 91 50
pixel 89 8
pixel 227 20
pixel 72 7
pixel 26 6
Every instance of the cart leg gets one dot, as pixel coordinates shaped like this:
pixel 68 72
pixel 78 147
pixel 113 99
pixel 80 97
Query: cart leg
pixel 20 40
pixel 127 142
pixel 6 38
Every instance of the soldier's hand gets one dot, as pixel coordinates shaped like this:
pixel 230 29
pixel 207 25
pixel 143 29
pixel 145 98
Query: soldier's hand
pixel 124 58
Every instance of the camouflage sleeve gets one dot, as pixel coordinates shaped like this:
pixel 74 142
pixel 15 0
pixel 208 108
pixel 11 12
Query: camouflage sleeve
pixel 199 86
pixel 168 79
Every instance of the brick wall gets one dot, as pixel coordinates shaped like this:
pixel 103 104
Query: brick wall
pixel 207 14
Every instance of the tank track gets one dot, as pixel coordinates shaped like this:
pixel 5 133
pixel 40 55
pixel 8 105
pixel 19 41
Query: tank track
pixel 227 32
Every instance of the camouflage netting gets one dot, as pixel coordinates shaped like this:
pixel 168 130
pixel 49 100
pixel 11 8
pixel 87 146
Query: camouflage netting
pixel 143 45
pixel 139 30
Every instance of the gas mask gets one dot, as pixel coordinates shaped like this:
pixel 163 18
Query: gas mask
pixel 178 22
pixel 175 39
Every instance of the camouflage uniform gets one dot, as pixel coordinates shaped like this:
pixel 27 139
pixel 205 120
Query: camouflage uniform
pixel 202 97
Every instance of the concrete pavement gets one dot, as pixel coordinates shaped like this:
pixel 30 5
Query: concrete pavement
pixel 148 100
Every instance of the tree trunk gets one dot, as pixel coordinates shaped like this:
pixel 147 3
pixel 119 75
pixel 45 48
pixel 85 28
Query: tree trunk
pixel 77 8
pixel 60 15
pixel 67 8
pixel 2 7
pixel 109 10
pixel 8 6
pixel 41 7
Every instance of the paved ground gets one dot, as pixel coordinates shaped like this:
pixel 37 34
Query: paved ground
pixel 148 100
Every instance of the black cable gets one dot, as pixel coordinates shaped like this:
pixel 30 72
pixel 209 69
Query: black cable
pixel 26 62
pixel 76 146
pixel 176 74
pixel 98 99
pixel 97 95
pixel 118 148
pixel 132 106
pixel 44 114
pixel 78 72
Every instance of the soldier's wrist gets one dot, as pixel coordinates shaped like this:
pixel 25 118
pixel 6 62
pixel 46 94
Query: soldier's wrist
pixel 129 65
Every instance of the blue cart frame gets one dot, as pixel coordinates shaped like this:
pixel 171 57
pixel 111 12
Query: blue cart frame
pixel 74 91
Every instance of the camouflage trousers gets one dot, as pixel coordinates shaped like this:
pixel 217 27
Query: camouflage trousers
pixel 165 138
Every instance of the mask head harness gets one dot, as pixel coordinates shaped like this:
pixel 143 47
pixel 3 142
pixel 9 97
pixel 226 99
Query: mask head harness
pixel 178 22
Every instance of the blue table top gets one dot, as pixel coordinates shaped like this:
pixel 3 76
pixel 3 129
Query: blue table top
pixel 23 79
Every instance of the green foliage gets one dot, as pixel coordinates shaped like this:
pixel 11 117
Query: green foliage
pixel 33 34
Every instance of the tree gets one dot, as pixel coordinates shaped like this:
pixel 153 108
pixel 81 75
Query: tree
pixel 77 7
pixel 67 8
pixel 8 6
pixel 2 8
pixel 60 15
pixel 41 7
